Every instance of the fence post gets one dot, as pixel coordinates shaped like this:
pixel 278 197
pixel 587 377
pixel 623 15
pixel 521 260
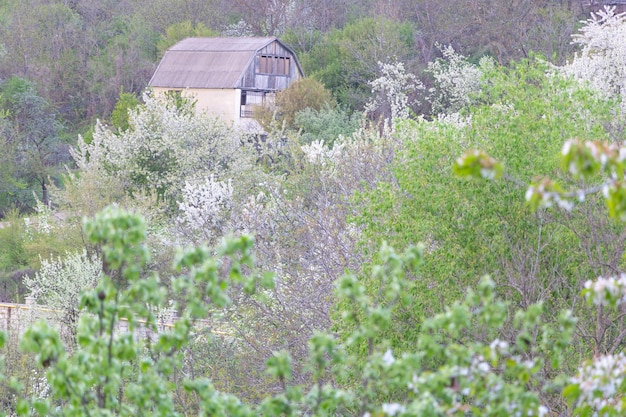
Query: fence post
pixel 29 300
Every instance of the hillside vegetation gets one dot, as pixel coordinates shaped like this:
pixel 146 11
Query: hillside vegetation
pixel 434 225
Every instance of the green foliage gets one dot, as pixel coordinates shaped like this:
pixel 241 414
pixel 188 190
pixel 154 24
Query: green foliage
pixel 473 228
pixel 119 116
pixel 110 370
pixel 33 138
pixel 122 63
pixel 456 363
pixel 13 256
pixel 477 164
pixel 444 371
pixel 325 124
pixel 9 184
pixel 301 40
pixel 305 93
pixel 181 30
pixel 348 58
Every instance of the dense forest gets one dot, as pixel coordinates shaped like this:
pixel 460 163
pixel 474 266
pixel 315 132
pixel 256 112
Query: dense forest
pixel 431 226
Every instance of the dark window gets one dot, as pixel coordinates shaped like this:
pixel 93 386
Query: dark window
pixel 250 99
pixel 274 65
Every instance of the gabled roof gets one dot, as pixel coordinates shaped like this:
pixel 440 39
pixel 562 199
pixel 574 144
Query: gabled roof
pixel 207 62
pixel 607 2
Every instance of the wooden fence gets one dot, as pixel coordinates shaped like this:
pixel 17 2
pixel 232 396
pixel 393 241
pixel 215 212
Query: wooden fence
pixel 15 319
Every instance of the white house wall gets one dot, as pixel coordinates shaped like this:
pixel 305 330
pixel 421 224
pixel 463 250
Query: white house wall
pixel 222 103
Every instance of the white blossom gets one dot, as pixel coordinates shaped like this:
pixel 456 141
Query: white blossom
pixel 600 382
pixel 393 89
pixel 388 358
pixel 60 281
pixel 456 80
pixel 603 290
pixel 391 409
pixel 164 146
pixel 205 203
pixel 318 153
pixel 59 284
pixel 455 119
pixel 601 61
pixel 41 221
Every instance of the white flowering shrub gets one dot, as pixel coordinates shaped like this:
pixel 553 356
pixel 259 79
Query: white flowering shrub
pixel 600 385
pixel 601 60
pixel 456 81
pixel 319 153
pixel 239 29
pixel 205 206
pixel 60 282
pixel 392 92
pixel 454 119
pixel 167 143
pixel 39 223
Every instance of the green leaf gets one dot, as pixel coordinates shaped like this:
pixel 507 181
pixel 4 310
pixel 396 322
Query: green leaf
pixel 21 407
pixel 41 407
pixel 279 365
pixel 571 393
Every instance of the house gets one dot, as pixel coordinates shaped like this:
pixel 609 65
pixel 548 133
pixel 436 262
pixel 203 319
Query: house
pixel 596 5
pixel 227 76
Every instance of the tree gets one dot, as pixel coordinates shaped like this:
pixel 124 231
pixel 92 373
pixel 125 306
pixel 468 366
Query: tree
pixel 46 61
pixel 124 61
pixel 601 61
pixel 506 31
pixel 10 185
pixel 306 93
pixel 14 258
pixel 391 93
pixel 181 30
pixel 326 124
pixel 59 283
pixel 469 230
pixel 166 14
pixel 456 81
pixel 120 114
pixel 166 144
pixel 35 134
pixel 98 48
pixel 445 372
pixel 267 17
pixel 347 60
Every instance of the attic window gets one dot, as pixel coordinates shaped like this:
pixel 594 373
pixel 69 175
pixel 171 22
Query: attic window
pixel 274 65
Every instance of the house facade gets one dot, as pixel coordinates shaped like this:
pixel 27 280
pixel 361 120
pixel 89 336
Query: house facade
pixel 619 6
pixel 227 76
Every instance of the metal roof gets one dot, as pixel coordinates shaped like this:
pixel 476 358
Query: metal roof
pixel 222 44
pixel 607 2
pixel 207 62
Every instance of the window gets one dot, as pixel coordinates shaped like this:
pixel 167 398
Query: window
pixel 282 65
pixel 274 65
pixel 250 99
